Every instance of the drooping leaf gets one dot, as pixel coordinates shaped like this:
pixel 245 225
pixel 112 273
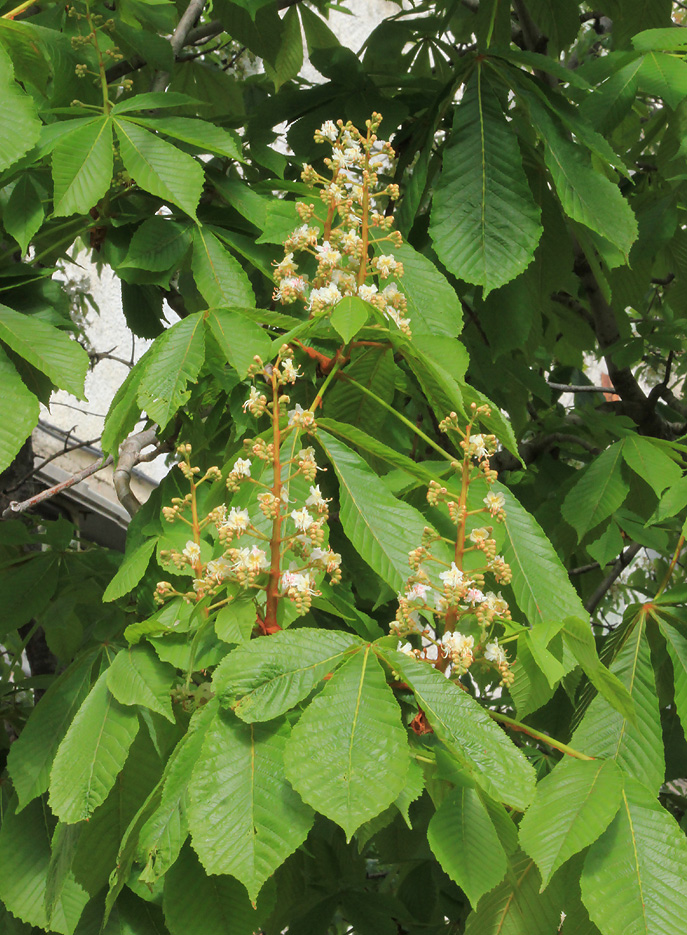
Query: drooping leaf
pixel 130 571
pixel 673 501
pixel 219 277
pixel 264 678
pixel 650 462
pixel 25 411
pixel 138 677
pixel 200 133
pixel 159 244
pixel 598 493
pixel 676 644
pixel 485 224
pixel 47 348
pixel 433 306
pixel 160 168
pixel 82 165
pixel 239 338
pixel 289 59
pixel 378 525
pixel 468 732
pixel 664 75
pixel 18 118
pixel 573 806
pixel 633 877
pixel 24 212
pixel 348 754
pixel 579 639
pixel 26 588
pixel 245 818
pixel 465 843
pixel 91 754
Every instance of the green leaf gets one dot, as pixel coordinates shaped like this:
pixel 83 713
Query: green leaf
pixel 379 526
pixel 245 818
pixel 676 644
pixel 24 212
pixel 480 746
pixel 197 904
pixel 91 755
pixel 289 59
pixel 31 755
pixel 200 133
pixel 612 100
pixel 558 21
pixel 573 806
pixel 633 877
pixel 235 622
pixel 608 546
pixel 25 411
pixel 124 411
pixel 485 224
pixel 660 39
pixel 239 338
pixel 465 843
pixel 650 462
pixel 159 168
pixel 26 589
pixel 264 678
pixel 348 753
pixel 426 356
pixel 540 582
pixel 151 100
pixel 18 119
pixel 598 493
pixel 47 348
pixel 605 732
pixel 373 368
pixel 82 165
pixel 130 571
pixel 579 639
pixel 138 677
pixel 172 362
pixel 349 316
pixel 664 75
pixel 433 305
pixel 220 278
pixel 159 244
pixel 673 501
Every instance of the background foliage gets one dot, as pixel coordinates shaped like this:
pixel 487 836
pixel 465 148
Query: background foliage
pixel 541 165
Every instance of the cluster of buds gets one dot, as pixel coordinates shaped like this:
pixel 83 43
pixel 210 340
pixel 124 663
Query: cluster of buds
pixel 450 609
pixel 346 258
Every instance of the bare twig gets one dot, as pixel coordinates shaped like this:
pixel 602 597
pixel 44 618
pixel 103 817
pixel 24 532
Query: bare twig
pixel 577 388
pixel 619 566
pixel 583 569
pixel 129 456
pixel 52 457
pixel 178 39
pixel 20 507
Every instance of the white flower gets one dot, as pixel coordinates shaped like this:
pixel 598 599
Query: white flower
pixel 366 292
pixel 351 241
pixel 479 535
pixel 330 131
pixel 474 596
pixel 302 519
pixel 290 288
pixel 326 295
pixel 192 552
pixel 290 372
pixel 390 292
pixel 300 417
pixel 242 467
pixel 494 502
pixel 458 645
pixel 495 603
pixel 316 499
pixel 417 592
pixel 494 653
pixel 256 560
pixel 253 403
pixel 405 648
pixel 396 317
pixel 453 578
pixel 477 446
pixel 386 264
pixel 286 267
pixel 327 254
pixel 331 559
pixel 219 567
pixel 237 520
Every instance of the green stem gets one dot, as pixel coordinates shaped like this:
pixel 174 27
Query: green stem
pixel 538 735
pixel 671 567
pixel 330 376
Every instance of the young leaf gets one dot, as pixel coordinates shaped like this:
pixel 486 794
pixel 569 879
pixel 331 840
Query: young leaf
pixel 47 348
pixel 604 732
pixel 468 732
pixel 25 411
pixel 378 525
pixel 91 755
pixel 18 119
pixel 633 877
pixel 219 277
pixel 264 678
pixel 465 843
pixel 159 168
pixel 239 338
pixel 349 316
pixel 598 493
pixel 348 753
pixel 245 818
pixel 138 677
pixel 485 225
pixel 82 165
pixel 24 212
pixel 650 462
pixel 573 805
pixel 130 571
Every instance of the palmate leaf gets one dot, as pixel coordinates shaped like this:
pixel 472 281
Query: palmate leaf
pixel 171 363
pixel 378 525
pixel 47 348
pixel 348 754
pixel 604 732
pixel 349 316
pixel 137 676
pixel 598 493
pixel 91 755
pixel 664 75
pixel 159 244
pixel 238 338
pixel 465 843
pixel 485 225
pixel 82 165
pixel 481 747
pixel 160 168
pixel 650 462
pixel 18 118
pixel 245 818
pixel 265 678
pixel 200 133
pixel 25 411
pixel 633 880
pixel 573 805
pixel 31 755
pixel 220 278
pixel 24 212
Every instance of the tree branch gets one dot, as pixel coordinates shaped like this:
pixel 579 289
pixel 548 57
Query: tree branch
pixel 578 388
pixel 179 36
pixel 129 456
pixel 619 566
pixel 16 507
